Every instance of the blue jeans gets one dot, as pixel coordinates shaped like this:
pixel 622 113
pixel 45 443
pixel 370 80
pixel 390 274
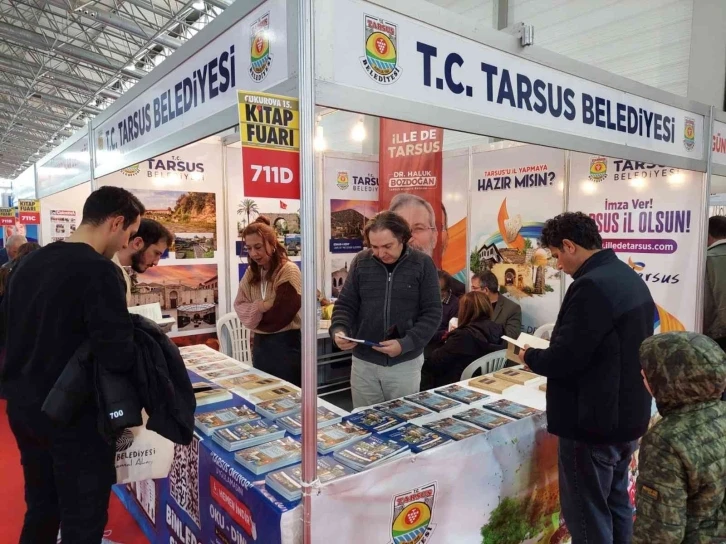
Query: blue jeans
pixel 594 491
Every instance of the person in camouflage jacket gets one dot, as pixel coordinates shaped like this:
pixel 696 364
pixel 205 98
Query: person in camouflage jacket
pixel 681 488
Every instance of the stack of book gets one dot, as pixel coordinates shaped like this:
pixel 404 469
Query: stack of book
pixel 261 382
pixel 240 381
pixel 226 372
pixel 482 418
pixel 461 394
pixel 277 408
pixel 403 410
pixel 247 435
pixel 370 452
pixel 275 393
pixel 511 409
pixel 270 456
pixel 418 438
pixel 208 422
pixel 454 429
pixel 520 377
pixel 209 393
pixel 288 481
pixel 375 421
pixel 293 423
pixel 437 403
pixel 491 384
pixel 338 436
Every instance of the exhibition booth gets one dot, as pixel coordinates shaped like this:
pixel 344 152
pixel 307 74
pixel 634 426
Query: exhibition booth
pixel 400 97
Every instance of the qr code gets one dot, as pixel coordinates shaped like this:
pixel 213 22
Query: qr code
pixel 184 479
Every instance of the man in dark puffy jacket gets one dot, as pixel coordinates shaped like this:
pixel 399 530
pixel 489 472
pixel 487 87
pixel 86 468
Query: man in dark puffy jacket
pixel 681 493
pixel 596 401
pixel 392 298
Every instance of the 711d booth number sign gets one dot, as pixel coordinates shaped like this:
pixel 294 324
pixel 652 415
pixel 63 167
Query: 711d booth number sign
pixel 271 173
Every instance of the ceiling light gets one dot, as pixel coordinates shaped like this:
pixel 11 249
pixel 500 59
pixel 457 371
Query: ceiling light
pixel 319 142
pixel 198 5
pixel 131 66
pixel 68 125
pixel 359 131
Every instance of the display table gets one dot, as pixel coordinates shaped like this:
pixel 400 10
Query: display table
pixel 208 497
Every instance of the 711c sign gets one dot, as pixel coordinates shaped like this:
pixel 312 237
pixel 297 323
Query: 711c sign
pixel 269 134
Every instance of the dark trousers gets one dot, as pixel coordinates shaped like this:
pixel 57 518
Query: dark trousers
pixel 68 473
pixel 594 491
pixel 279 354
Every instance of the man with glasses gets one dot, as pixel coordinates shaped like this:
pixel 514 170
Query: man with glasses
pixel 507 313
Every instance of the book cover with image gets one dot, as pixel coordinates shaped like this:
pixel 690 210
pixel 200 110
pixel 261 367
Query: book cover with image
pixel 375 421
pixel 370 452
pixel 437 403
pixel 482 418
pixel 271 456
pixel 339 435
pixel 418 438
pixel 293 423
pixel 259 384
pixel 209 393
pixel 461 394
pixel 454 429
pixel 520 377
pixel 222 372
pixel 491 384
pixel 288 482
pixel 512 409
pixel 402 409
pixel 284 406
pixel 239 381
pixel 208 422
pixel 247 435
pixel 276 393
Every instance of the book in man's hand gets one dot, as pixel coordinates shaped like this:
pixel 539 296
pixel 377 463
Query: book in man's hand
pixel 418 438
pixel 270 456
pixel 288 482
pixel 208 422
pixel 370 452
pixel 247 435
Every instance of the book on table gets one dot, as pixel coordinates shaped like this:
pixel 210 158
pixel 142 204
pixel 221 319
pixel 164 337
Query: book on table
pixel 457 430
pixel 238 382
pixel 375 421
pixel 511 409
pixel 288 481
pixel 247 435
pixel 259 384
pixel 491 384
pixel 209 393
pixel 482 418
pixel 284 406
pixel 402 409
pixel 370 452
pixel 270 456
pixel 418 438
pixel 461 394
pixel 514 375
pixel 276 393
pixel 293 423
pixel 208 422
pixel 434 402
pixel 222 373
pixel 338 436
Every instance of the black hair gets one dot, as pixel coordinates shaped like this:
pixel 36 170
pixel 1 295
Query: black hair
pixel 448 280
pixel 717 227
pixel 388 221
pixel 489 280
pixel 578 228
pixel 110 202
pixel 152 232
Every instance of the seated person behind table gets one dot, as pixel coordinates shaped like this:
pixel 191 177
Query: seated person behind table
pixel 476 336
pixel 507 313
pixel 450 309
pixel 682 481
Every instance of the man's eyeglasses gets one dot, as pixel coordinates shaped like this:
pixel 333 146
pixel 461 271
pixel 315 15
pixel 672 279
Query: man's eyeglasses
pixel 421 230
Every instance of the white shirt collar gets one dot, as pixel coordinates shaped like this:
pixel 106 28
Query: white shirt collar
pixel 718 243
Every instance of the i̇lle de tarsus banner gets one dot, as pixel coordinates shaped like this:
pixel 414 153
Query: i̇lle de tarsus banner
pixel 270 137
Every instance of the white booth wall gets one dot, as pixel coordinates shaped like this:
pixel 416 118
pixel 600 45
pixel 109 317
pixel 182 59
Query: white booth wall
pixel 71 200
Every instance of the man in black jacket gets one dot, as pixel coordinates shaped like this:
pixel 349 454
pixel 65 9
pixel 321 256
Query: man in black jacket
pixel 392 298
pixel 596 401
pixel 59 297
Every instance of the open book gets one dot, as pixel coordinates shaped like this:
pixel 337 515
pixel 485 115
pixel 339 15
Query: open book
pixel 523 340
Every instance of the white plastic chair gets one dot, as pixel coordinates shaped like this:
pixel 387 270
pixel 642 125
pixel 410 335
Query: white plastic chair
pixel 234 338
pixel 545 331
pixel 488 364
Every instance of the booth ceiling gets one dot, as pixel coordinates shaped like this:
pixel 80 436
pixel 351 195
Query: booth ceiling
pixel 64 61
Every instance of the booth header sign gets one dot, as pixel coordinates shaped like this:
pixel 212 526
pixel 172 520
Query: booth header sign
pixel 67 169
pixel 269 127
pixel 383 51
pixel 251 54
pixel 718 143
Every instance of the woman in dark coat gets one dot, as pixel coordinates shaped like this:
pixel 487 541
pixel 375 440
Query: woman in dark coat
pixel 475 336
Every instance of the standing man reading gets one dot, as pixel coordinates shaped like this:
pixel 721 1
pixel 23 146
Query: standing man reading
pixel 59 297
pixel 144 250
pixel 714 301
pixel 596 401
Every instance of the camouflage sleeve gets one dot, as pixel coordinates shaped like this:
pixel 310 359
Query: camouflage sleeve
pixel 661 494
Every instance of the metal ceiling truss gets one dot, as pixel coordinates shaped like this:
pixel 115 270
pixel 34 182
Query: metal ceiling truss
pixel 62 62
